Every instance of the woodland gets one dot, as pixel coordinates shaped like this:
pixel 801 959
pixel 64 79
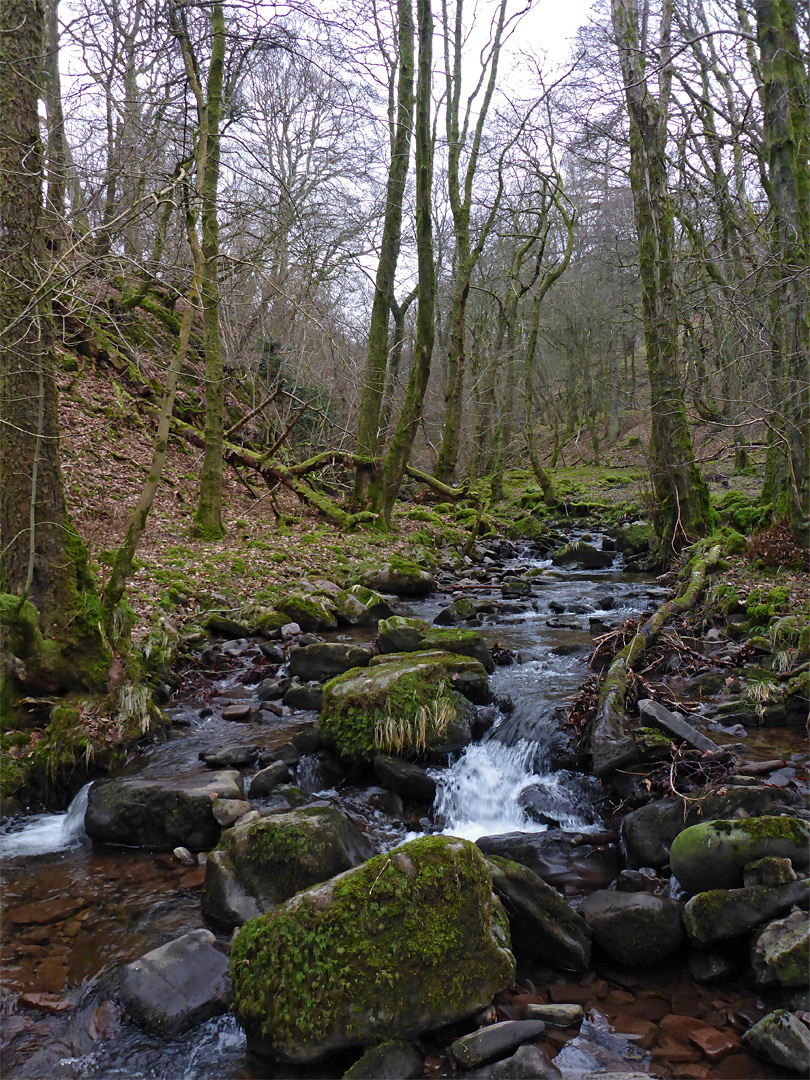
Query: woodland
pixel 360 292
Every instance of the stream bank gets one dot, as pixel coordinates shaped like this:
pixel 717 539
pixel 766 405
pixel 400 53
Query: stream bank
pixel 518 778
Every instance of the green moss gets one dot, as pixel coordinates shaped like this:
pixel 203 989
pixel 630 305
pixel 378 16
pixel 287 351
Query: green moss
pixel 404 926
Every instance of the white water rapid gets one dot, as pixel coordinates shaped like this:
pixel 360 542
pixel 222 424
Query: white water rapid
pixel 43 833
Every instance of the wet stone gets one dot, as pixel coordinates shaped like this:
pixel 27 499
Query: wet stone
pixel 557 1015
pixel 44 912
pixel 495 1041
pixel 172 989
pixel 782 1039
pixel 715 1044
pixel 232 757
pixel 239 713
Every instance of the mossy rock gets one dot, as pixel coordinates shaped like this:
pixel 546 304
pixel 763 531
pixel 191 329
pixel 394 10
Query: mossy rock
pixel 713 855
pixel 401 634
pixel 635 538
pixel 467 676
pixel 399 576
pixel 261 862
pixel 780 952
pixel 402 706
pixel 269 621
pixel 584 555
pixel 461 642
pixel 376 606
pixel 408 942
pixel 461 610
pixel 310 612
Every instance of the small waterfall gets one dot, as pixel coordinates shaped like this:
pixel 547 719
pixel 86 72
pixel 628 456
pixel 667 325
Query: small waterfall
pixel 488 790
pixel 478 795
pixel 43 833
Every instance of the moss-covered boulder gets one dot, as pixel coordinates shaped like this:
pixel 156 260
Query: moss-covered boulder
pixel 310 611
pixel 398 576
pixel 408 942
pixel 714 854
pixel 584 555
pixel 377 607
pixel 263 861
pixel 467 675
pixel 401 634
pixel 648 833
pixel 159 815
pixel 725 914
pixel 780 951
pixel 325 659
pixel 461 610
pixel 404 705
pixel 637 929
pixel 634 538
pixel 461 642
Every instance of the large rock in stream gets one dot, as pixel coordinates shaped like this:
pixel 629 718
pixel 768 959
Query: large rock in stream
pixel 177 986
pixel 159 815
pixel 408 942
pixel 648 833
pixel 405 705
pixel 574 863
pixel 714 854
pixel 400 577
pixel 263 861
pixel 637 929
pixel 542 922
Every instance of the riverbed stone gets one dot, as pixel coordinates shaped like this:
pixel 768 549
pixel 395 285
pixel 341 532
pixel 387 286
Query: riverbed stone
pixel 399 576
pixel 555 1015
pixel 780 951
pixel 263 783
pixel 714 854
pixel 307 696
pixel 402 705
pixel 495 1041
pixel 769 871
pixel 648 833
pixel 327 659
pixel 395 1059
pixel 422 943
pixel 159 815
pixel 527 1063
pixel 781 1039
pixel 261 864
pixel 461 610
pixel 377 607
pixel 636 929
pixel 724 914
pixel 234 757
pixel 177 986
pixel 228 811
pixel 407 779
pixel 585 555
pixel 400 634
pixel 542 923
pixel 571 862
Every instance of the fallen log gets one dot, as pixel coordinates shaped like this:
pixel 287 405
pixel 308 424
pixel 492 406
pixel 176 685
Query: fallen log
pixel 610 748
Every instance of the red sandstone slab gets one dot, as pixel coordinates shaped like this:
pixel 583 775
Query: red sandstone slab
pixel 715 1044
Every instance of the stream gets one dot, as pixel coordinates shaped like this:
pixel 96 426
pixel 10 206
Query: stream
pixel 72 911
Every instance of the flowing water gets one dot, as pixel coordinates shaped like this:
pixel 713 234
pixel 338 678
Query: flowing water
pixel 74 911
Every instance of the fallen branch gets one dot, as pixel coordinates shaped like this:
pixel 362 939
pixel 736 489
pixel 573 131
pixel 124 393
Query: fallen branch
pixel 610 748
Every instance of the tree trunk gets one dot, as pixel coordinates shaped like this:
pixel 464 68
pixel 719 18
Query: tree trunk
pixel 369 421
pixel 396 459
pixel 787 136
pixel 49 607
pixel 683 510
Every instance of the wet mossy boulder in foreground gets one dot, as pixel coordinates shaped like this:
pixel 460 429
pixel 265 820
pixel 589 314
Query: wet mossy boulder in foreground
pixel 725 914
pixel 263 861
pixel 714 854
pixel 780 951
pixel 406 705
pixel 159 815
pixel 408 942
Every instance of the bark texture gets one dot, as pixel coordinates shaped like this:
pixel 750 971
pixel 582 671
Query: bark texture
pixel 43 562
